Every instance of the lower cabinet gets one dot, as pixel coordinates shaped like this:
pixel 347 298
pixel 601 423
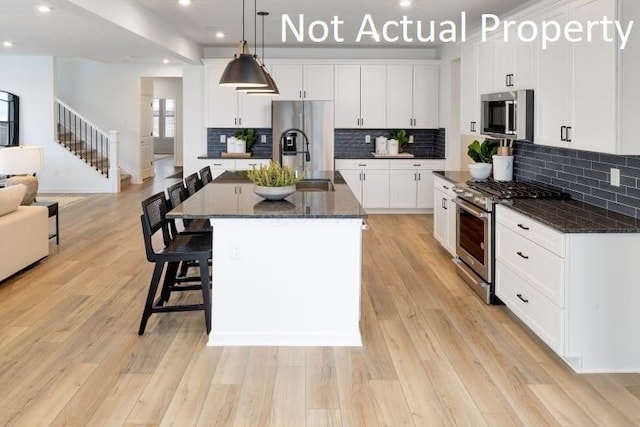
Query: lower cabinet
pixel 368 180
pixel 444 214
pixel 218 166
pixel 391 186
pixel 576 291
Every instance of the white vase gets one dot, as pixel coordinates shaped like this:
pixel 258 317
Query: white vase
pixel 274 193
pixel 480 171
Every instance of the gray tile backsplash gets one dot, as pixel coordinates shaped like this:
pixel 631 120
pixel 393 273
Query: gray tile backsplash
pixel 349 143
pixel 584 175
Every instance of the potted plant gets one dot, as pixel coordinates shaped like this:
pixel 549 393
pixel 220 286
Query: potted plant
pixel 273 182
pixel 482 154
pixel 249 136
pixel 401 136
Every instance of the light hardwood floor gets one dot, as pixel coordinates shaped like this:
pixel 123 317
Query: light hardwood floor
pixel 433 353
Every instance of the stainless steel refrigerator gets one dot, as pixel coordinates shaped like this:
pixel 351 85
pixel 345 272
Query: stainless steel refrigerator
pixel 303 134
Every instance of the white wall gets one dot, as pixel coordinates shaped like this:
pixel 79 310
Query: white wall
pixel 194 131
pixel 108 95
pixel 32 78
pixel 171 88
pixel 449 95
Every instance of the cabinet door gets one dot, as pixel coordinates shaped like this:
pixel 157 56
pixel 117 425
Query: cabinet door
pixel 400 93
pixel 221 102
pixel 485 66
pixel 552 95
pixel 426 96
pixel 594 90
pixel 469 100
pixel 288 77
pixel 347 96
pixel 318 82
pixel 375 189
pixel 524 57
pixel 373 96
pixel 255 111
pixel 503 54
pixel 440 229
pixel 424 183
pixel 402 193
pixel 353 178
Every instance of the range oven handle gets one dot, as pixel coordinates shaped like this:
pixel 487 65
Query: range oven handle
pixel 468 207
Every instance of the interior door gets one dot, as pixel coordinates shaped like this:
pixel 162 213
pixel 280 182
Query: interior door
pixel 146 137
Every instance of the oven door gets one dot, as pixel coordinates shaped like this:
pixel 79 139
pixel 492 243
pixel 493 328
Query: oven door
pixel 473 238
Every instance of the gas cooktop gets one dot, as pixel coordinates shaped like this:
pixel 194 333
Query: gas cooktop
pixel 485 193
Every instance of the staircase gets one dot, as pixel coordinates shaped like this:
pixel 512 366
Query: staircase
pixel 90 144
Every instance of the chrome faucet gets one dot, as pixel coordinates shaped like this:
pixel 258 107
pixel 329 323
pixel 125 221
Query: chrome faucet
pixel 305 148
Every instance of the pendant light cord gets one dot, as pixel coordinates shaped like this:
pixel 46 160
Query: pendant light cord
pixel 243 20
pixel 262 38
pixel 255 28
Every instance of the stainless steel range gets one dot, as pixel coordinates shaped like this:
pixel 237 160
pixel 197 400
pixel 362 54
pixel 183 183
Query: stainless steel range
pixel 475 235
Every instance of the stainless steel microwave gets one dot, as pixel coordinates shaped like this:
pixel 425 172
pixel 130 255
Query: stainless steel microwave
pixel 507 115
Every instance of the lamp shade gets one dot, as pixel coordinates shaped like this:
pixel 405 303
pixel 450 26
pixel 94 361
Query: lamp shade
pixel 270 89
pixel 243 70
pixel 21 160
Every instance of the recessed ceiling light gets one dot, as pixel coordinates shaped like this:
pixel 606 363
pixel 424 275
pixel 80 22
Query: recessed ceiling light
pixel 405 3
pixel 165 61
pixel 219 34
pixel 44 9
pixel 7 44
pixel 184 2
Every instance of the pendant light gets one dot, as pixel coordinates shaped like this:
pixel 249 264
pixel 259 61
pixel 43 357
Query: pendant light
pixel 271 88
pixel 243 70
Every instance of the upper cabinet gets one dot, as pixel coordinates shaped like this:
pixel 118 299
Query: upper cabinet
pixel 412 96
pixel 227 108
pixel 514 63
pixel 304 81
pixel 577 89
pixel 360 96
pixel 469 93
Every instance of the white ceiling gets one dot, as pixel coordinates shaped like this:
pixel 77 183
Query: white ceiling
pixel 83 28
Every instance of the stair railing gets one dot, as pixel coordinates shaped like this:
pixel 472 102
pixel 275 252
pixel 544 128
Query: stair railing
pixel 88 142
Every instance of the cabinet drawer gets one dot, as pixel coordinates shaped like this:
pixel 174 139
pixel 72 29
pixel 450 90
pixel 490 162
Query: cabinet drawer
pixel 543 317
pixel 246 164
pixel 416 164
pixel 443 185
pixel 546 237
pixel 362 164
pixel 224 164
pixel 544 270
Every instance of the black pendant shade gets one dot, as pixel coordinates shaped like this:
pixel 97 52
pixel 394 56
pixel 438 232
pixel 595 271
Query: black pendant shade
pixel 243 71
pixel 271 88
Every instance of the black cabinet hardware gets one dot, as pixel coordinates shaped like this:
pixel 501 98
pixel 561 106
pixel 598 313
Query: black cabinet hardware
pixel 522 255
pixel 523 227
pixel 523 299
pixel 568 136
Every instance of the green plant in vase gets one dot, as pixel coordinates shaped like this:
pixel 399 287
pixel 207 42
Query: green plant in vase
pixel 249 136
pixel 482 154
pixel 401 136
pixel 274 182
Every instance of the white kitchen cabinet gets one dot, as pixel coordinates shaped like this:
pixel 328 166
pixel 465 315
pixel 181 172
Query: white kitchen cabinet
pixel 218 166
pixel 368 180
pixel 227 108
pixel 574 290
pixel 444 214
pixel 360 96
pixel 469 94
pixel 411 183
pixel 514 63
pixel 485 67
pixel 412 96
pixel 576 96
pixel 304 81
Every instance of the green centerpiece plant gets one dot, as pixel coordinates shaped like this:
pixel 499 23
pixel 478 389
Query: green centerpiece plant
pixel 401 136
pixel 482 154
pixel 274 182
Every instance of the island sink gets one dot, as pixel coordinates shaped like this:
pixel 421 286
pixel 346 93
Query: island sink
pixel 314 185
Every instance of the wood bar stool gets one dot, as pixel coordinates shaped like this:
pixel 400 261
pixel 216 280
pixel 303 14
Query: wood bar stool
pixel 180 248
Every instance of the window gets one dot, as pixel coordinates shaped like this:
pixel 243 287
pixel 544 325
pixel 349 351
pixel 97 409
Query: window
pixel 164 118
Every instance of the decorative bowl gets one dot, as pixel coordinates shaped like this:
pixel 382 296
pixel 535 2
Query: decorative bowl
pixel 480 171
pixel 274 193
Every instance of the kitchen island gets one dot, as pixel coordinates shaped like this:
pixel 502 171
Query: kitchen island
pixel 285 273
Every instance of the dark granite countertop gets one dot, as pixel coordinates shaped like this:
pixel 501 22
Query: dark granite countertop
pixel 371 156
pixel 231 196
pixel 454 177
pixel 206 156
pixel 571 216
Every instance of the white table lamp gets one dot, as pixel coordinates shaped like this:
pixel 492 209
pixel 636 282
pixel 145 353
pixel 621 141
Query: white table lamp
pixel 22 163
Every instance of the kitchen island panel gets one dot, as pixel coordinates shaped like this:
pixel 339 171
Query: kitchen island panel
pixel 286 282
